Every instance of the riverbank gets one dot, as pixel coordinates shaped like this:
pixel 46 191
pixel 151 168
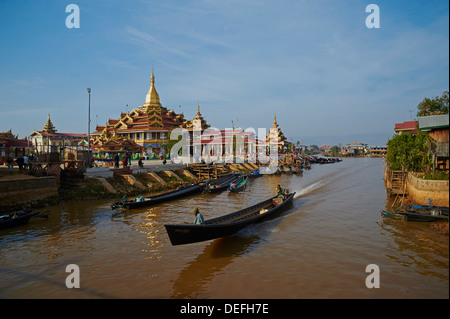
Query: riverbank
pixel 22 191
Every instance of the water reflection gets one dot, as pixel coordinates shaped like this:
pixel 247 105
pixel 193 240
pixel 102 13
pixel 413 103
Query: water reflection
pixel 193 279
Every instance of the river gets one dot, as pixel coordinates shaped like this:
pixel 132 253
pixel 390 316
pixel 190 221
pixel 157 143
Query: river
pixel 319 248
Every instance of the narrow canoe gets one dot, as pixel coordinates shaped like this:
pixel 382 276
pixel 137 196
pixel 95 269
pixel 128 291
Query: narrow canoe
pixel 226 225
pixel 222 183
pixel 239 185
pixel 15 219
pixel 147 201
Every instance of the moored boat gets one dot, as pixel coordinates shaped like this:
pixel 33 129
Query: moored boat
pixel 222 183
pixel 238 185
pixel 16 218
pixel 425 216
pixel 226 225
pixel 255 173
pixel 147 201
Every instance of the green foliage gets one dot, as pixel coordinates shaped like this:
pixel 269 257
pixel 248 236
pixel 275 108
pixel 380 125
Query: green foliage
pixel 438 105
pixel 335 150
pixel 409 151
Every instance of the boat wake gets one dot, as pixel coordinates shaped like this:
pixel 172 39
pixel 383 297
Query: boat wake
pixel 309 189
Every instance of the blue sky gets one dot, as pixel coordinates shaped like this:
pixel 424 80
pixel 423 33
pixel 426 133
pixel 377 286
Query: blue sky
pixel 328 78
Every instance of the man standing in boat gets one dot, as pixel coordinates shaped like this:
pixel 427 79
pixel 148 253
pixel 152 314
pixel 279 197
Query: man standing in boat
pixel 198 216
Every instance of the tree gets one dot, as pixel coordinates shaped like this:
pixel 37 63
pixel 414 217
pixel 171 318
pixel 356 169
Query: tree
pixel 438 105
pixel 409 151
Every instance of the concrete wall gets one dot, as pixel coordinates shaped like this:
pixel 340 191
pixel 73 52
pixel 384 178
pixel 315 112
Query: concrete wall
pixel 419 190
pixel 16 191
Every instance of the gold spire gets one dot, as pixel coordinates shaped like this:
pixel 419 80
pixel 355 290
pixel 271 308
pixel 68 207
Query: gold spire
pixel 48 127
pixel 152 98
pixel 275 124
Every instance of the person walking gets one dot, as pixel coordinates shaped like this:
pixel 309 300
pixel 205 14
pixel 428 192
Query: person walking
pixel 9 161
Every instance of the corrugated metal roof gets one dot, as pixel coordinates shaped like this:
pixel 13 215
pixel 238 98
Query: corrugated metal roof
pixel 433 122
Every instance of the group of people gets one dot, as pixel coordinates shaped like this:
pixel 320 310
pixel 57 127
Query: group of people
pixel 279 192
pixel 23 162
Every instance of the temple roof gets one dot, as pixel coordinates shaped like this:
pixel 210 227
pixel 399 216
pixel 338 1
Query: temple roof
pixel 48 127
pixel 152 98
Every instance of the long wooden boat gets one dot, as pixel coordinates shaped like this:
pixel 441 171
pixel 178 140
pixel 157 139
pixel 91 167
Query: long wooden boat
pixel 180 234
pixel 16 218
pixel 147 201
pixel 222 183
pixel 238 185
pixel 425 216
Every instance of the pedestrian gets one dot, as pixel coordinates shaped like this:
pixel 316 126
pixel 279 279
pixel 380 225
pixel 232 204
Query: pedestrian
pixel 9 161
pixel 125 161
pixel 198 217
pixel 25 162
pixel 19 161
pixel 116 161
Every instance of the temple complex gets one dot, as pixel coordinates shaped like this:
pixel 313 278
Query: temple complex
pixel 148 125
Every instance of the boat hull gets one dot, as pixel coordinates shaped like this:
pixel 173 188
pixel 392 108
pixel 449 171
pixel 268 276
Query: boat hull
pixel 161 198
pixel 422 216
pixel 16 221
pixel 180 234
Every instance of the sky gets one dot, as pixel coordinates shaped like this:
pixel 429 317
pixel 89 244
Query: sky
pixel 315 64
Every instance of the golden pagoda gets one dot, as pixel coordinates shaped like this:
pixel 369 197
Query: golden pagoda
pixel 49 127
pixel 149 124
pixel 275 135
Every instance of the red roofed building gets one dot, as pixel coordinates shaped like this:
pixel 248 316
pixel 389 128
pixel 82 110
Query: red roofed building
pixel 48 140
pixel 10 145
pixel 406 127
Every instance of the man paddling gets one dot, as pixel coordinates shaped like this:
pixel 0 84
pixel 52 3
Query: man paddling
pixel 279 192
pixel 198 216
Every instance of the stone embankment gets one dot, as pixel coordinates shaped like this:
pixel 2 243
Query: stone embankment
pixel 420 190
pixel 19 190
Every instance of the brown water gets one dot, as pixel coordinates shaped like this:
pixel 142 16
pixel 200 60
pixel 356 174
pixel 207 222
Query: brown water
pixel 318 249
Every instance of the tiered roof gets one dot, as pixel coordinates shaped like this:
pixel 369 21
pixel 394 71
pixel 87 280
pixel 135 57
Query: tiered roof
pixel 151 116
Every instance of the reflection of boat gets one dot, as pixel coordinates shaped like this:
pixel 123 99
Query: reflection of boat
pixel 16 218
pixel 192 281
pixel 222 183
pixel 147 201
pixel 239 185
pixel 226 225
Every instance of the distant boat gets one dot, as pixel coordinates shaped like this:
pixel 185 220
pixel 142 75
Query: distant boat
pixel 222 183
pixel 180 234
pixel 16 218
pixel 147 201
pixel 255 173
pixel 238 185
